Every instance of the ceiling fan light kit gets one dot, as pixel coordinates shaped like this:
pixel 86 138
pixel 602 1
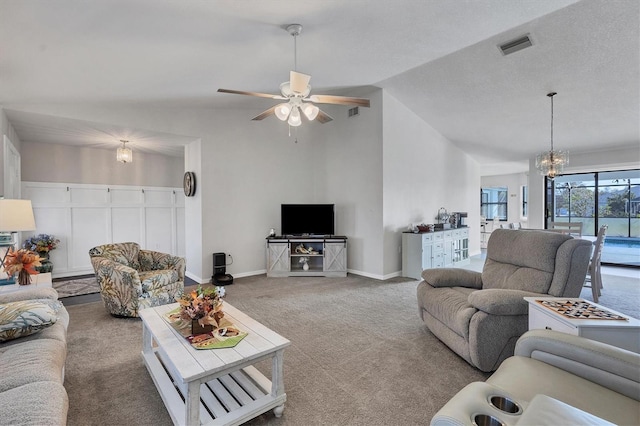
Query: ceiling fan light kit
pixel 295 93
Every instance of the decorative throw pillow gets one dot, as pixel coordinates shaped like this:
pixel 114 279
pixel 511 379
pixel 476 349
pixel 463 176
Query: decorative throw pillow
pixel 25 317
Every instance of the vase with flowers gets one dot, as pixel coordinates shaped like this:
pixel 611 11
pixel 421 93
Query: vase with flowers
pixel 23 262
pixel 42 244
pixel 202 308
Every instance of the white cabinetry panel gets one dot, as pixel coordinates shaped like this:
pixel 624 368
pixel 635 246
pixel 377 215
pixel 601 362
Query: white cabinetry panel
pixel 158 229
pixel 89 228
pixel 83 216
pixel 46 195
pixel 130 197
pixel 89 195
pixel 125 224
pixel 55 221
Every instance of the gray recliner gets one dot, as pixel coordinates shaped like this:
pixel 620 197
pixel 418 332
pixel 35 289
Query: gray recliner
pixel 480 316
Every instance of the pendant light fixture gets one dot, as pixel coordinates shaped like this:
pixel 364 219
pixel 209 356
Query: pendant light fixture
pixel 551 163
pixel 124 154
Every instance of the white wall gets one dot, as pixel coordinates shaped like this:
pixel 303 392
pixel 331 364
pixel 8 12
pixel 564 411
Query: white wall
pixel 45 162
pixel 423 171
pixel 246 169
pixel 586 161
pixel 349 175
pixel 6 129
pixel 513 183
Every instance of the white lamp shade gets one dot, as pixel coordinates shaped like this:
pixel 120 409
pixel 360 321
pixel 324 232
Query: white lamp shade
pixel 310 111
pixel 282 111
pixel 294 117
pixel 16 215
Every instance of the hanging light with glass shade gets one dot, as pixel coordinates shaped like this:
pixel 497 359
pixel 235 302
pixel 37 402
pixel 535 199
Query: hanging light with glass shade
pixel 551 163
pixel 124 154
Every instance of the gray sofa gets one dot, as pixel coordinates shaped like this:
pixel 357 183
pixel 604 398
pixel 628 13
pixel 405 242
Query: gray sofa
pixel 32 370
pixel 553 379
pixel 480 316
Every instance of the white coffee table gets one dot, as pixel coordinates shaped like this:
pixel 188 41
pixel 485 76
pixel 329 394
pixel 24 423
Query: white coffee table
pixel 195 383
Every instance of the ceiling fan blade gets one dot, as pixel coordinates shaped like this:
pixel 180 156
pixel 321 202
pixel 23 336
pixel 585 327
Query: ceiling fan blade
pixel 265 114
pixel 339 100
pixel 241 92
pixel 298 81
pixel 323 117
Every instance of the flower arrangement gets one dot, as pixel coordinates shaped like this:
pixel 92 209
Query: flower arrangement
pixel 203 305
pixel 23 262
pixel 42 243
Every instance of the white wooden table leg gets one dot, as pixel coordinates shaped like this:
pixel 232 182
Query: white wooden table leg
pixel 277 379
pixel 146 339
pixel 192 404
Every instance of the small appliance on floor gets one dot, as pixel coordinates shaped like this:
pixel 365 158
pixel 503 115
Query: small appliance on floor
pixel 220 276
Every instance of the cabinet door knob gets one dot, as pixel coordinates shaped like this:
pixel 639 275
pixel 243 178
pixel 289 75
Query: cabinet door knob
pixel 548 328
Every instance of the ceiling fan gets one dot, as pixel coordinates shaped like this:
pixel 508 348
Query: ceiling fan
pixel 296 94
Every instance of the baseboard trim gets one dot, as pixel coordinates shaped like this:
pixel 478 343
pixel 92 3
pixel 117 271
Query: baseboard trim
pixel 376 276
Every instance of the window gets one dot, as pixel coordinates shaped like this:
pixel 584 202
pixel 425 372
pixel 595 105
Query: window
pixel 493 203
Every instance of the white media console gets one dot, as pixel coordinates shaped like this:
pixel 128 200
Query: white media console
pixel 323 256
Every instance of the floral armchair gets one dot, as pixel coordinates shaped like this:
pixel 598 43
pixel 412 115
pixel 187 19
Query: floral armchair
pixel 132 279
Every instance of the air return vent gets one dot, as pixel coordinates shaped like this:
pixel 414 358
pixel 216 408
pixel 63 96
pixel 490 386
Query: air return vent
pixel 515 45
pixel 354 111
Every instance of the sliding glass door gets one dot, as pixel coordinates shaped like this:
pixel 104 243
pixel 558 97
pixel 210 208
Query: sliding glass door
pixel 597 199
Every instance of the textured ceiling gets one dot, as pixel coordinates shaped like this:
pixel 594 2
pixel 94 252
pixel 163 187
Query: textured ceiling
pixel 438 57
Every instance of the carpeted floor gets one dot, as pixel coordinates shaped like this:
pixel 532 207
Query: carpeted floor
pixel 359 354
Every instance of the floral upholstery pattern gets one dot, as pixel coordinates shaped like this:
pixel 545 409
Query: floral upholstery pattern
pixel 132 279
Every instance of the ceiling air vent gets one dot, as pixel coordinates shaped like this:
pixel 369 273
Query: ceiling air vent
pixel 354 111
pixel 515 45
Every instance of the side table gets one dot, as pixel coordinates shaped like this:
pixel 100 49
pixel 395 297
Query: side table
pixel 620 333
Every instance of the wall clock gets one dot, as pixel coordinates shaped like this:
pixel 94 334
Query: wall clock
pixel 189 184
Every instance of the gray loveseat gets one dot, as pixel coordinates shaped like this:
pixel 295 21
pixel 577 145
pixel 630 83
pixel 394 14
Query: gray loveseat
pixel 32 369
pixel 480 316
pixel 555 379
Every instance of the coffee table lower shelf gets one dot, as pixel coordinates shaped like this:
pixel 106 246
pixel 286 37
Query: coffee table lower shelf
pixel 230 399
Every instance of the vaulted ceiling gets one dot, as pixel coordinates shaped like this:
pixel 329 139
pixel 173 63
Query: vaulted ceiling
pixel 438 57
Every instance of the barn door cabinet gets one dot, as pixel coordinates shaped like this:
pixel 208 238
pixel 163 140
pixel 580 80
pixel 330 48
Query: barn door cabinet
pixel 311 257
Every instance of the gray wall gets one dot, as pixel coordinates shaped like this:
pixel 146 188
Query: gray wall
pixel 44 162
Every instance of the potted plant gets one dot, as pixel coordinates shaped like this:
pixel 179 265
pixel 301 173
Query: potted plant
pixel 42 244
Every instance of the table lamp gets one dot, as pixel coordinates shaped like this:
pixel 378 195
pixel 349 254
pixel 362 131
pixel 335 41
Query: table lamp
pixel 15 216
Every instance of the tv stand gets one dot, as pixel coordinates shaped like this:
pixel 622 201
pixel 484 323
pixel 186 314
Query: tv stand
pixel 324 256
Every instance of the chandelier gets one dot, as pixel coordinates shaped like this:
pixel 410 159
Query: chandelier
pixel 551 163
pixel 124 154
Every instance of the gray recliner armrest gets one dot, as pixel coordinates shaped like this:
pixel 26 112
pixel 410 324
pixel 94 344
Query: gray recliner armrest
pixel 452 277
pixel 609 366
pixel 496 301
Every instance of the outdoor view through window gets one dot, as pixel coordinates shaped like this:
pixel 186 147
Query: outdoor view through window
pixel 597 199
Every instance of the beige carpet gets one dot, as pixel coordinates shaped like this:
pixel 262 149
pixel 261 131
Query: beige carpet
pixel 359 355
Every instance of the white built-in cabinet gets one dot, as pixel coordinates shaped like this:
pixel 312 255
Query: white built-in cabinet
pixel 83 216
pixel 439 249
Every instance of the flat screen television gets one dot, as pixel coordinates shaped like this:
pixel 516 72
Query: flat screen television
pixel 307 219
